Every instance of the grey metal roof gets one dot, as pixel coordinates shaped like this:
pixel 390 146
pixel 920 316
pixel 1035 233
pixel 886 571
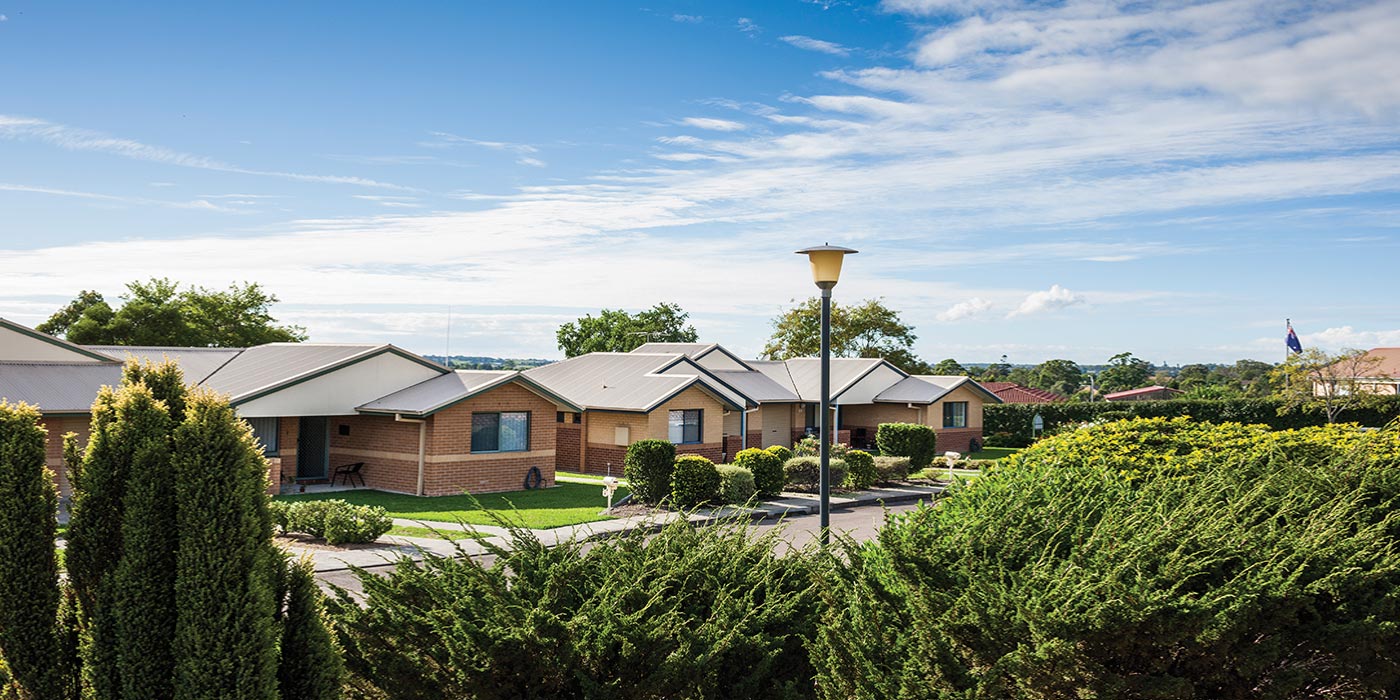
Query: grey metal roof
pixel 928 388
pixel 806 374
pixel 196 363
pixel 687 349
pixel 757 385
pixel 440 392
pixel 274 364
pixel 621 381
pixel 56 387
pixel 78 350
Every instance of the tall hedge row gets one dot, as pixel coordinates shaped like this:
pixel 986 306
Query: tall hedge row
pixel 1009 425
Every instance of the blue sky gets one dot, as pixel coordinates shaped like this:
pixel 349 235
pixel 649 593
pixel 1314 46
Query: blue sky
pixel 1052 179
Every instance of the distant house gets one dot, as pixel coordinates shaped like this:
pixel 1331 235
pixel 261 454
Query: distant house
pixel 1147 393
pixel 1381 367
pixel 417 426
pixel 1011 392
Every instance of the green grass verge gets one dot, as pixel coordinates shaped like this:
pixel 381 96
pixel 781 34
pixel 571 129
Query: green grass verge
pixel 993 453
pixel 538 509
pixel 431 534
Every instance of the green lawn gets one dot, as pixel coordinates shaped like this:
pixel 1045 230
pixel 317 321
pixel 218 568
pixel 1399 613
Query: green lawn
pixel 565 504
pixel 994 453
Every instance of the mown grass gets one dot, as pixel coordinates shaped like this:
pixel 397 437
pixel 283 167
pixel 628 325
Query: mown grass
pixel 537 509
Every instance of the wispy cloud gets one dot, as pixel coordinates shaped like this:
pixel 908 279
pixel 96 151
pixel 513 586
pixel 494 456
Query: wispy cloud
pixel 712 124
pixel 970 308
pixel 1052 299
pixel 1347 337
pixel 748 26
pixel 687 19
pixel 443 139
pixel 18 128
pixel 200 204
pixel 807 43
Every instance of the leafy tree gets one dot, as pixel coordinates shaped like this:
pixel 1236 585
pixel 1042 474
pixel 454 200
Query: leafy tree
pixel 1329 384
pixel 1253 378
pixel 949 368
pixel 999 371
pixel 867 329
pixel 29 592
pixel 159 312
pixel 1063 377
pixel 1190 376
pixel 1124 372
pixel 619 331
pixel 226 565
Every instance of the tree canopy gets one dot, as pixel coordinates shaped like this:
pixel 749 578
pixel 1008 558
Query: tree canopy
pixel 1124 372
pixel 159 312
pixel 1064 377
pixel 620 331
pixel 949 368
pixel 867 329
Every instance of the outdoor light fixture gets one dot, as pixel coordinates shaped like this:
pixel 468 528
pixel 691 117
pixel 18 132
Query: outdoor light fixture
pixel 826 270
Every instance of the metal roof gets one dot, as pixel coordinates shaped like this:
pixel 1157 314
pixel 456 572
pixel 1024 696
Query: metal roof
pixel 928 388
pixel 57 387
pixel 268 366
pixel 757 385
pixel 624 381
pixel 433 395
pixel 196 363
pixel 806 374
pixel 78 350
pixel 687 349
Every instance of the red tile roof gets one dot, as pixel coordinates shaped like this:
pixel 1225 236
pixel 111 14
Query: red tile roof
pixel 1011 392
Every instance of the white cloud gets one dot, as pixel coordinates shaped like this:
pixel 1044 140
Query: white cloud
pixel 199 204
pixel 807 43
pixel 443 139
pixel 1052 299
pixel 1347 337
pixel 532 162
pixel 687 19
pixel 3 18
pixel 712 124
pixel 748 26
pixel 971 308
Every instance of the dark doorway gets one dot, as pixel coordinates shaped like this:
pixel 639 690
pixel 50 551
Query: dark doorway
pixel 313 448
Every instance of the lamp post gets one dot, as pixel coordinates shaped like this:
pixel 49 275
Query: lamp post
pixel 826 270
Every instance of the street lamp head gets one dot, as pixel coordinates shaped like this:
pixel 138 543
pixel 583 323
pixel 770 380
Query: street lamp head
pixel 826 263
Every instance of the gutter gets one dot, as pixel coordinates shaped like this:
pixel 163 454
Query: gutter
pixel 422 446
pixel 744 427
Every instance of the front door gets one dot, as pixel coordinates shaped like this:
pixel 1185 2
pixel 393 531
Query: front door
pixel 313 448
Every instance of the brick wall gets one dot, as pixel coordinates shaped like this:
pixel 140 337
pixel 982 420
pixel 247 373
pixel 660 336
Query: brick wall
pixel 57 427
pixel 713 452
pixel 453 467
pixel 388 448
pixel 956 439
pixel 601 456
pixel 568 446
pixel 734 443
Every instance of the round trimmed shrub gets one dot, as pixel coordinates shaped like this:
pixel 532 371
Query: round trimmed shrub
pixel 694 481
pixel 860 470
pixel 782 453
pixel 766 467
pixel 891 468
pixel 648 466
pixel 736 484
pixel 352 524
pixel 810 446
pixel 912 440
pixel 805 472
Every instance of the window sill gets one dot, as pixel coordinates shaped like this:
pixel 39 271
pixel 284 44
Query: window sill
pixel 497 452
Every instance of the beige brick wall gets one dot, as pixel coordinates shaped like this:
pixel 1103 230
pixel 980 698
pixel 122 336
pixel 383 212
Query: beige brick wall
pixel 712 421
pixel 57 427
pixel 962 393
pixel 602 427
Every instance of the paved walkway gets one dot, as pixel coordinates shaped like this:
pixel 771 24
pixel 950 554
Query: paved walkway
pixel 391 548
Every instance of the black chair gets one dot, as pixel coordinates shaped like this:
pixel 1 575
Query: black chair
pixel 349 473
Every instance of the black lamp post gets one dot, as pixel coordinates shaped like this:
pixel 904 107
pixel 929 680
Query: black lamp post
pixel 826 270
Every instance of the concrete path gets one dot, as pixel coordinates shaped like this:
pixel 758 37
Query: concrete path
pixel 788 505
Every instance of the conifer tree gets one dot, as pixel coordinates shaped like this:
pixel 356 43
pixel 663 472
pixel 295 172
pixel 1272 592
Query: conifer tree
pixel 311 667
pixel 144 580
pixel 226 565
pixel 29 591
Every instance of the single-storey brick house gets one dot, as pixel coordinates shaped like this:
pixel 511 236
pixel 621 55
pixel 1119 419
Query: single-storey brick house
pixel 416 426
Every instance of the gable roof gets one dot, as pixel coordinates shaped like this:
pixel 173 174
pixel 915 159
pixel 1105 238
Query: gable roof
pixel 57 387
pixel 929 388
pixel 196 363
pixel 262 370
pixel 694 351
pixel 757 385
pixel 846 372
pixel 447 390
pixel 627 381
pixel 79 352
pixel 1011 392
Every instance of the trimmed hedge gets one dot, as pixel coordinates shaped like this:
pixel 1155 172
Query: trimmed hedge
pixel 1009 424
pixel 917 442
pixel 891 468
pixel 861 473
pixel 338 522
pixel 805 472
pixel 766 467
pixel 648 466
pixel 694 481
pixel 736 484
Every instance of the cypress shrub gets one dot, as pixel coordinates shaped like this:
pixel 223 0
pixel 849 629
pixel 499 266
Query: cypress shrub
pixel 1257 572
pixel 694 481
pixel 686 612
pixel 912 440
pixel 226 566
pixel 648 466
pixel 310 666
pixel 860 470
pixel 143 583
pixel 782 453
pixel 68 632
pixel 736 484
pixel 29 592
pixel 766 467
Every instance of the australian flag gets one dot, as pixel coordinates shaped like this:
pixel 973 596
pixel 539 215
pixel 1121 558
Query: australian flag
pixel 1291 340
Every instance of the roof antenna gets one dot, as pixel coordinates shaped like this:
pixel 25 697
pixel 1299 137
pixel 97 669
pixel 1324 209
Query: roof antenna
pixel 447 357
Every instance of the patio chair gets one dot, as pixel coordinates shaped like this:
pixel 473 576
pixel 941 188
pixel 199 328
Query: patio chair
pixel 348 473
